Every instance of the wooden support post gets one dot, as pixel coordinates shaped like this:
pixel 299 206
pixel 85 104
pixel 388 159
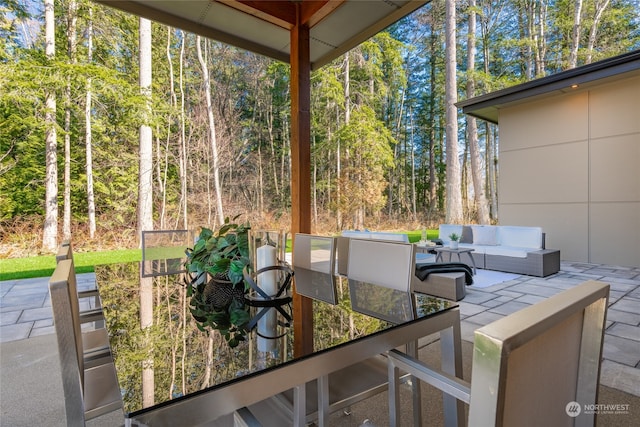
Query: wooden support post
pixel 301 169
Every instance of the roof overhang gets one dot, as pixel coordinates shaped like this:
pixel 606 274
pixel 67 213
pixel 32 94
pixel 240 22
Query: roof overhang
pixel 264 26
pixel 487 107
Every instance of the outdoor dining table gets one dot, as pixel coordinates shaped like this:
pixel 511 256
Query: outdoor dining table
pixel 173 373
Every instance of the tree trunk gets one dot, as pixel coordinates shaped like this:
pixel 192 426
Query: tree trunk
pixel 50 231
pixel 145 198
pixel 492 169
pixel 314 182
pixel 260 189
pixel 490 155
pixel 541 45
pixel 71 52
pixel 212 132
pixel 472 127
pixel 145 189
pixel 347 118
pixel 600 6
pixel 414 202
pixel 575 34
pixel 173 101
pixel 454 196
pixel 433 175
pixel 274 169
pixel 91 204
pixel 161 174
pixel 161 167
pixel 183 141
pixel 525 26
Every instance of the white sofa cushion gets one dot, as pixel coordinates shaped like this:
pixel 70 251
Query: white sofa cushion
pixel 356 234
pixel 477 249
pixel 484 235
pixel 445 230
pixel 394 237
pixel 376 235
pixel 520 237
pixel 508 251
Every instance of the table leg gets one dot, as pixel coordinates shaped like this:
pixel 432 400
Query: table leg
pixel 394 395
pixel 473 262
pixel 412 350
pixel 323 401
pixel 299 405
pixel 451 347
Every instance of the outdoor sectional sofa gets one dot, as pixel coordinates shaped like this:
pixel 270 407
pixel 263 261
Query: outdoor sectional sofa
pixel 512 249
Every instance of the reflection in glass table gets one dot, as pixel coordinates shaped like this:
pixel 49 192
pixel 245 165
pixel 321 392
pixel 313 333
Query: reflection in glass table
pixel 196 377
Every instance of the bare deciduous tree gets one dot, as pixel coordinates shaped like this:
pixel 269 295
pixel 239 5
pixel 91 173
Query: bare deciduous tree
pixel 575 34
pixel 50 232
pixel 145 198
pixel 212 133
pixel 91 205
pixel 454 195
pixel 72 18
pixel 472 127
pixel 600 6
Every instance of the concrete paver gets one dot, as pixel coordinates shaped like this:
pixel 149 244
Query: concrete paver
pixel 25 311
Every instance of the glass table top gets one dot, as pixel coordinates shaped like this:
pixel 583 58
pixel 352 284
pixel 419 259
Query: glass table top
pixel 184 359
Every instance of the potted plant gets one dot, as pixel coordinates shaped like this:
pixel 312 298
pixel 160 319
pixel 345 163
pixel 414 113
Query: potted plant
pixel 454 240
pixel 215 283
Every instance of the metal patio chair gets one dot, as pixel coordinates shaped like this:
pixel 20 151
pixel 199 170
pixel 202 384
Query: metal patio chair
pixel 95 339
pixel 537 366
pixel 314 263
pixel 89 391
pixel 65 251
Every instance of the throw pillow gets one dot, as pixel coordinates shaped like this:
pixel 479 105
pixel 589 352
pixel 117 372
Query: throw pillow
pixel 484 235
pixel 467 235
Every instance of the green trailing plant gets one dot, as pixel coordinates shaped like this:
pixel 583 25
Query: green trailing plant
pixel 215 284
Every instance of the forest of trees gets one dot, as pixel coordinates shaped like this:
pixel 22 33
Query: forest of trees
pixel 389 148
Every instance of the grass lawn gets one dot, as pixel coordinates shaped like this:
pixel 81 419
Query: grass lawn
pixel 415 236
pixel 42 266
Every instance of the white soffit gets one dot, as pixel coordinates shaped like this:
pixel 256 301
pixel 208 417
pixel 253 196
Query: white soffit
pixel 349 23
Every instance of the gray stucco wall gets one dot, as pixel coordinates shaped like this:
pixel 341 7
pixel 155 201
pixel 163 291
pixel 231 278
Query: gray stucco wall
pixel 570 163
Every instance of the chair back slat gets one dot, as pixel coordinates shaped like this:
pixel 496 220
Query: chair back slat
pixel 383 263
pixel 342 255
pixel 316 253
pixel 314 260
pixel 64 304
pixel 64 251
pixel 163 251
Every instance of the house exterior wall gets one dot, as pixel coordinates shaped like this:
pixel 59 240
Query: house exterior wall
pixel 570 163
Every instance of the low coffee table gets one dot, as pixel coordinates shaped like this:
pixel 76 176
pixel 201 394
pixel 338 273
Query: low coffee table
pixel 442 249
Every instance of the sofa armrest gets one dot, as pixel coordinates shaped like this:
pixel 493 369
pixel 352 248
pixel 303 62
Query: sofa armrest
pixel 540 263
pixel 549 260
pixel 450 286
